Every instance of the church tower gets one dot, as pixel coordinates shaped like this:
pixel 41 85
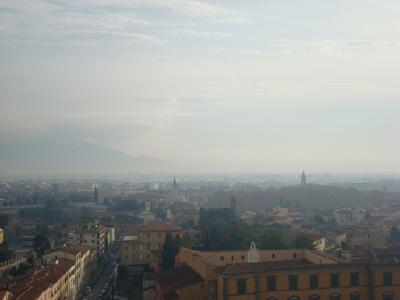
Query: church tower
pixel 96 194
pixel 174 184
pixel 303 178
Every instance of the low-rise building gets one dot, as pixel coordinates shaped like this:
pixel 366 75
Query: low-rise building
pixel 142 244
pixel 284 275
pixel 95 237
pixel 60 277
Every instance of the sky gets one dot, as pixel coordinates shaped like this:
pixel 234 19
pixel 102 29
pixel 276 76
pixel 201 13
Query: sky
pixel 205 86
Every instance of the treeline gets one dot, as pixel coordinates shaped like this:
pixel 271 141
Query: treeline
pixel 222 230
pixel 298 197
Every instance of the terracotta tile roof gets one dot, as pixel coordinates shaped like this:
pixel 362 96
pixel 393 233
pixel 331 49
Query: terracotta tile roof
pixel 260 267
pixel 32 286
pixel 176 278
pixel 75 249
pixel 159 226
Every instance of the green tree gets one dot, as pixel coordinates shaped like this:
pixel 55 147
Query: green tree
pixel 170 250
pixel 303 241
pixel 273 239
pixel 41 244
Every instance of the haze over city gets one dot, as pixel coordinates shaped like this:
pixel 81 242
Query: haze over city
pixel 107 86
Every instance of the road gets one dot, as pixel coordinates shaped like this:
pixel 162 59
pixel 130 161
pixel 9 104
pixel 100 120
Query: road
pixel 101 283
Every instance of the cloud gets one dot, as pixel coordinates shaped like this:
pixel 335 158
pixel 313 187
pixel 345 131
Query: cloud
pixel 189 8
pixel 198 33
pixel 321 47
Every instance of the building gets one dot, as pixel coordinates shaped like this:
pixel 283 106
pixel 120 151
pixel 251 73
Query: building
pixel 1 236
pixel 95 237
pixel 178 283
pixel 60 277
pixel 84 258
pixel 303 179
pixel 282 275
pixel 142 244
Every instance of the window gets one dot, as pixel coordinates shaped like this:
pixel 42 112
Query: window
pixel 148 235
pixel 335 280
pixel 221 258
pixel 388 296
pixel 242 257
pixel 273 255
pixel 271 283
pixel 293 298
pixel 293 282
pixel 241 286
pixel 232 258
pixel 335 297
pixel 148 246
pixel 355 296
pixel 314 297
pixel 354 279
pixel 159 235
pixel 387 278
pixel 294 255
pixel 314 281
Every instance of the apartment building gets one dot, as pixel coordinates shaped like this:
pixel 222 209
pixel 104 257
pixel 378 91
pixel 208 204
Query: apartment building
pixel 142 245
pixel 283 275
pixel 84 258
pixel 60 277
pixel 95 237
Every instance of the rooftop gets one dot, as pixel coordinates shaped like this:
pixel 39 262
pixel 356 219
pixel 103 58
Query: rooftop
pixel 176 278
pixel 159 226
pixel 260 267
pixel 33 285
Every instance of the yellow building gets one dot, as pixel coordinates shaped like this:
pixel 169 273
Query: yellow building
pixel 290 275
pixel 63 273
pixel 142 244
pixel 1 236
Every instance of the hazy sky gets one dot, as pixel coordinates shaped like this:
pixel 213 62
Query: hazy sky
pixel 211 86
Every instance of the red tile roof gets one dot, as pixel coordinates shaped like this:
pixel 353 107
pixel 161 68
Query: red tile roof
pixel 177 277
pixel 32 286
pixel 159 226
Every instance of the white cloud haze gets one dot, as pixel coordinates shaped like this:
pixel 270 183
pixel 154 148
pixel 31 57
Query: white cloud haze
pixel 211 86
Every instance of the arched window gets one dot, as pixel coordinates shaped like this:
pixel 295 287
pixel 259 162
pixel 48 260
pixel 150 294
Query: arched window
pixel 335 296
pixel 388 296
pixel 293 298
pixel 272 298
pixel 355 296
pixel 314 297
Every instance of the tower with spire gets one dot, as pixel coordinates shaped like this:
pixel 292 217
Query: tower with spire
pixel 96 194
pixel 174 184
pixel 303 179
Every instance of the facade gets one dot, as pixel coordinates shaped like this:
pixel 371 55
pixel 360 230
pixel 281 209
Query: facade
pixel 63 273
pixel 95 237
pixel 142 244
pixel 289 275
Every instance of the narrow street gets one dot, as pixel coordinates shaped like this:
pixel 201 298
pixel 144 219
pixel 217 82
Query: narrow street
pixel 102 283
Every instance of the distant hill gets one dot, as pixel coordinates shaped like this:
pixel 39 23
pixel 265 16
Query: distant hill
pixel 309 196
pixel 70 159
